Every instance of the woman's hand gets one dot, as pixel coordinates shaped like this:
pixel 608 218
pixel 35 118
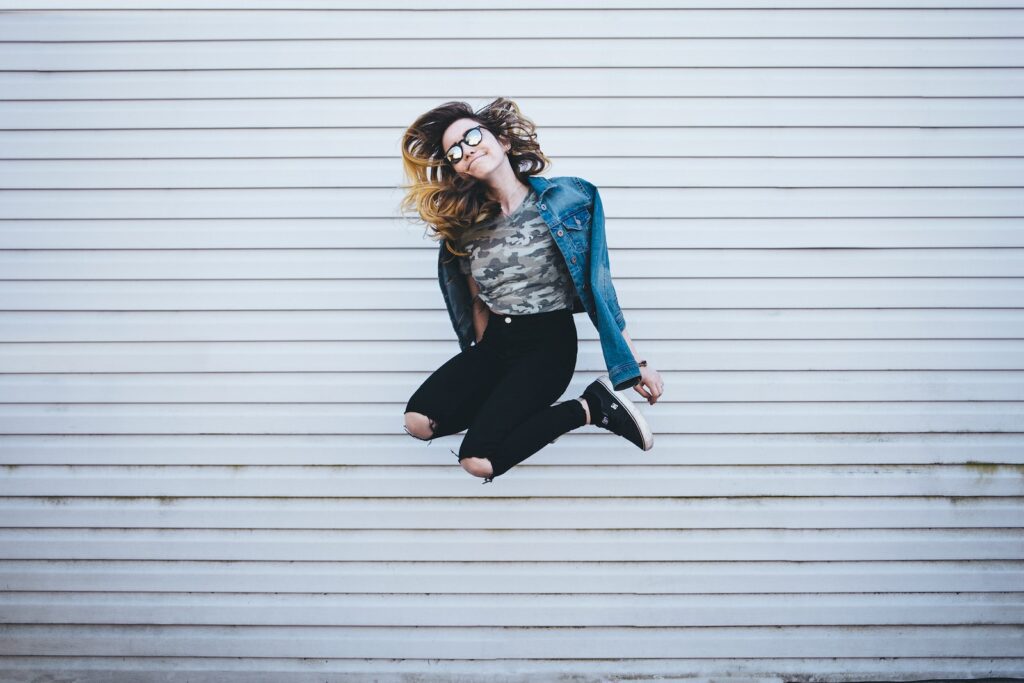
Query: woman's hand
pixel 650 386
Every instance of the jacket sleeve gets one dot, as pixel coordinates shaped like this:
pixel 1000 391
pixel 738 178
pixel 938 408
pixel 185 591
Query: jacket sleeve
pixel 457 297
pixel 599 257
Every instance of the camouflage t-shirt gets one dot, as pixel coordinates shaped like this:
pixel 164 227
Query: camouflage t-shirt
pixel 516 262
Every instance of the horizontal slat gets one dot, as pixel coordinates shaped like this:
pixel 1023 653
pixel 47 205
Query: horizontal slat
pixel 516 642
pixel 441 477
pixel 414 513
pixel 576 448
pixel 639 22
pixel 561 142
pixel 651 81
pixel 420 5
pixel 640 202
pixel 510 611
pixel 423 294
pixel 582 112
pixel 681 670
pixel 664 418
pixel 414 325
pixel 640 577
pixel 529 52
pixel 424 356
pixel 627 232
pixel 94 669
pixel 602 171
pixel 396 387
pixel 535 545
pixel 132 264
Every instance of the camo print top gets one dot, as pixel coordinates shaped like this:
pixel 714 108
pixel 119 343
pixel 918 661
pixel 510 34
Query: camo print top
pixel 516 262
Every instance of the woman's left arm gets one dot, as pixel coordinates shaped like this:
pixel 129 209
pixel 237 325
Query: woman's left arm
pixel 650 386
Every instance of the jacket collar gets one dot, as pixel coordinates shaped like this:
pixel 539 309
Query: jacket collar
pixel 540 184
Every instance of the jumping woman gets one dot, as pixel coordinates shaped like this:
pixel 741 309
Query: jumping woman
pixel 518 255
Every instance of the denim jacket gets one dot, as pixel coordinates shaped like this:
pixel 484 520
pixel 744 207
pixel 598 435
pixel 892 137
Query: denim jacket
pixel 572 209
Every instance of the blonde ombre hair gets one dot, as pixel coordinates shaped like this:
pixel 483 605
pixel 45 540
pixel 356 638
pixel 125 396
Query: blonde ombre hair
pixel 450 203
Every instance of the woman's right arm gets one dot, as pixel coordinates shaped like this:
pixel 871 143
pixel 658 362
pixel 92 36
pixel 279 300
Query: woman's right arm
pixel 481 314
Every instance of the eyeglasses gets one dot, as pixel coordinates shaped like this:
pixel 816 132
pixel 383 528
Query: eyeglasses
pixel 472 138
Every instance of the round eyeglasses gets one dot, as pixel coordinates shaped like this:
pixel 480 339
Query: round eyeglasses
pixel 472 138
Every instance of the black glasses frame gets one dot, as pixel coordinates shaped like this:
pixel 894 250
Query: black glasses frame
pixel 458 145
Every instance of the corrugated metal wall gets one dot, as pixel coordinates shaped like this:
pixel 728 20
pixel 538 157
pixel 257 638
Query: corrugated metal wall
pixel 212 316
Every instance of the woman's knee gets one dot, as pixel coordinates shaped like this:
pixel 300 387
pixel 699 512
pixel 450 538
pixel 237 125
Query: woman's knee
pixel 419 425
pixel 478 467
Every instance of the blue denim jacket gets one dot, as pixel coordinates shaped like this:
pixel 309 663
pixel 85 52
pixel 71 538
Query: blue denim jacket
pixel 572 209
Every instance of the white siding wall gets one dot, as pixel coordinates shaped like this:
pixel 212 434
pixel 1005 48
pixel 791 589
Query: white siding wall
pixel 211 317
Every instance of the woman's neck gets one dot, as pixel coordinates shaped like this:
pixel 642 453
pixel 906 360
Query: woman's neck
pixel 514 203
pixel 509 192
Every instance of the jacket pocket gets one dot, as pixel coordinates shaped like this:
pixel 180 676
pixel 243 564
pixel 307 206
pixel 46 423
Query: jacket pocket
pixel 578 220
pixel 577 230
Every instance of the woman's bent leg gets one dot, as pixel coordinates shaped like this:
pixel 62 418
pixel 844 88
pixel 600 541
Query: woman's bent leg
pixel 536 432
pixel 517 419
pixel 450 397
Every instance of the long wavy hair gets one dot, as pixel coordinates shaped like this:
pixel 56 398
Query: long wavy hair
pixel 447 202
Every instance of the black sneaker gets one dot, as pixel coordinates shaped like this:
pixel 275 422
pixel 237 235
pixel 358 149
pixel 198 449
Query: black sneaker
pixel 617 414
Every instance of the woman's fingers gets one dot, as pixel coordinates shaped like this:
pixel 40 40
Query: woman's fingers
pixel 650 385
pixel 656 389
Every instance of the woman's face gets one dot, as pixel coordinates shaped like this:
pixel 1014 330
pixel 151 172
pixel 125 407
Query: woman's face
pixel 479 161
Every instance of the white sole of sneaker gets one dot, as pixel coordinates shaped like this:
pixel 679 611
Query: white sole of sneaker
pixel 634 413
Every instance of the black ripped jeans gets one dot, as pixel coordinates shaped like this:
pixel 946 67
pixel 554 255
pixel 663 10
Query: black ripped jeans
pixel 501 390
